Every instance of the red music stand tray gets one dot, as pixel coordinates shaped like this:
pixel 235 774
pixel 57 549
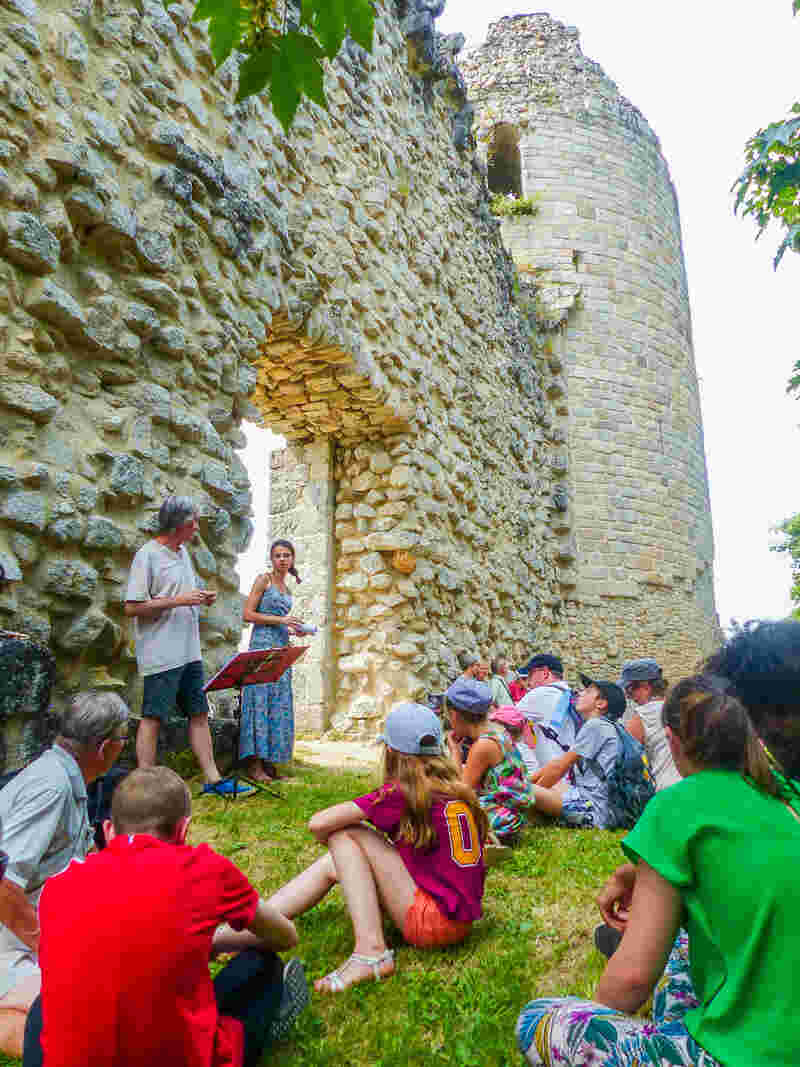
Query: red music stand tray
pixel 255 667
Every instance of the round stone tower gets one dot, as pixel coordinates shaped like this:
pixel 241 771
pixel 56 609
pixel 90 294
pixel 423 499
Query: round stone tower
pixel 601 261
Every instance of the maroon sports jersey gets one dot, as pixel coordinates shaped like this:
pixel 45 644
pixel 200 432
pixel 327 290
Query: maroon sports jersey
pixel 453 871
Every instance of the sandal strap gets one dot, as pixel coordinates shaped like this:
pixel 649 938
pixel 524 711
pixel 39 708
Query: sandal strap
pixel 372 961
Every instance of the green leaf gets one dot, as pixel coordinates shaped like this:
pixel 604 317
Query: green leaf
pixel 283 90
pixel 305 58
pixel 330 26
pixel 255 73
pixel 361 23
pixel 791 240
pixel 205 9
pixel 228 20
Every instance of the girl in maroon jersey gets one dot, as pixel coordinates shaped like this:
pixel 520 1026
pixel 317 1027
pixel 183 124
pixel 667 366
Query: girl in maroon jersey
pixel 428 875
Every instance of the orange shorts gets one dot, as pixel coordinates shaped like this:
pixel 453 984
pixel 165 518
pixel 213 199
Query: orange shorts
pixel 426 927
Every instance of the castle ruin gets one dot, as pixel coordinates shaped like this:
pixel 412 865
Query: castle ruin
pixel 474 461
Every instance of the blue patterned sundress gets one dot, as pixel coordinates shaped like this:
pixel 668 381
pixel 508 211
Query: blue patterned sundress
pixel 267 724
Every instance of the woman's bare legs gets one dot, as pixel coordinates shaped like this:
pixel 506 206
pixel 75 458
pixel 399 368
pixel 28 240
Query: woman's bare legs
pixel 371 873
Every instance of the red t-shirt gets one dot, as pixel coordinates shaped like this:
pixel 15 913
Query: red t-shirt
pixel 125 943
pixel 452 871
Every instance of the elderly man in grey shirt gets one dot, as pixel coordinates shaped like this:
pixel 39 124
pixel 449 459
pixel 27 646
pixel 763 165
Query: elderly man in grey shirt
pixel 45 825
pixel 163 598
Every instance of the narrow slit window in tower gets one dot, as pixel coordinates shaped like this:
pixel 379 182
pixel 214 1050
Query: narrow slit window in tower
pixel 504 160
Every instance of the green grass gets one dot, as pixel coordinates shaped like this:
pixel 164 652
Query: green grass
pixel 454 1007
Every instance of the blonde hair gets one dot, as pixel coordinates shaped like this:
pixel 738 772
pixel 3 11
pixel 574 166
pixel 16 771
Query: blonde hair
pixel 423 779
pixel 150 800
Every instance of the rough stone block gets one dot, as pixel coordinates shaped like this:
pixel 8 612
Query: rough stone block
pixel 30 244
pixel 51 303
pixel 84 207
pixel 66 531
pixel 84 631
pixel 127 478
pixel 10 567
pixel 30 399
pixel 26 510
pixel 391 540
pixel 104 534
pixel 69 578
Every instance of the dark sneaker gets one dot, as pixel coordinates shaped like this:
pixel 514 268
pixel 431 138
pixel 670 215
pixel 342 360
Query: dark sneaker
pixel 606 939
pixel 295 998
pixel 227 787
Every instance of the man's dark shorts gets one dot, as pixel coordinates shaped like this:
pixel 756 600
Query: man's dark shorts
pixel 180 688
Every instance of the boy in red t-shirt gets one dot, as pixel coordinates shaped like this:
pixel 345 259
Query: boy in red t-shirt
pixel 126 938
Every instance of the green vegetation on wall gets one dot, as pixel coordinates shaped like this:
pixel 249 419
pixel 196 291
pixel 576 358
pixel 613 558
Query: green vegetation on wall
pixel 509 205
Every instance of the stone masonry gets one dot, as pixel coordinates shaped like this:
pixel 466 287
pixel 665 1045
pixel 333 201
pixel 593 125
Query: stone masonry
pixel 172 263
pixel 624 538
pixel 604 264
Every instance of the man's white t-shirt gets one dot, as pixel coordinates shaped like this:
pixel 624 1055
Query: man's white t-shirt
pixel 539 706
pixel 172 639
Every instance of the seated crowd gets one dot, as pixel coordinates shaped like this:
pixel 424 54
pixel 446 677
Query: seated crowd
pixel 139 921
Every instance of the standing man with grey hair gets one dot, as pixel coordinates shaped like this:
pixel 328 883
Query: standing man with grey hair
pixel 45 821
pixel 163 599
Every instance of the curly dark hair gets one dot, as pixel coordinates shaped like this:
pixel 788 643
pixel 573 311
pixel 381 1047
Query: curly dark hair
pixel 761 660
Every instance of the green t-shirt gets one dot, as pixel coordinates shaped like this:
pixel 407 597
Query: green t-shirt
pixel 734 854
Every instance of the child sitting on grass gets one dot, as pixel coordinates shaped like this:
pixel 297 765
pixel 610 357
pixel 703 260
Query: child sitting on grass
pixel 595 748
pixel 428 876
pixel 493 766
pixel 126 937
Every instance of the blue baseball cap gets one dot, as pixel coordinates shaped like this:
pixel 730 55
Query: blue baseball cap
pixel 639 670
pixel 469 696
pixel 413 730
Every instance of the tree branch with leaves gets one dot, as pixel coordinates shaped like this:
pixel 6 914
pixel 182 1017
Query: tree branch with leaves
pixel 769 187
pixel 284 44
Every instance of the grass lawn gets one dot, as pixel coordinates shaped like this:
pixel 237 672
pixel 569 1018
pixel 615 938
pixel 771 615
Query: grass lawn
pixel 455 1006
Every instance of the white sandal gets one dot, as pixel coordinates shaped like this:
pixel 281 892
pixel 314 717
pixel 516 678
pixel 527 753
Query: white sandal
pixel 334 979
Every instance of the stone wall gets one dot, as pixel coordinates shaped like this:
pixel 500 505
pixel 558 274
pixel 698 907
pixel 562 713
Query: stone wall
pixel 173 263
pixel 602 263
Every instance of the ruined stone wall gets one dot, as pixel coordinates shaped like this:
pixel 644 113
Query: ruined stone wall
pixel 172 262
pixel 603 264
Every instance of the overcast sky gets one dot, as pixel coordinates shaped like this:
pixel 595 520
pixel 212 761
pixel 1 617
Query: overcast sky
pixel 706 74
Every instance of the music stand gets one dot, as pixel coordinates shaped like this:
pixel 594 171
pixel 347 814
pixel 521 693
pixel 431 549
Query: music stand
pixel 255 667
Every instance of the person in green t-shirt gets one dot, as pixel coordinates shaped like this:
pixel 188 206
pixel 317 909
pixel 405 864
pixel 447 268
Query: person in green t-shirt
pixel 717 853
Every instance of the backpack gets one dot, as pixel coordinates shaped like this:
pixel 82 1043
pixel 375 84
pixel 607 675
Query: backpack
pixel 630 784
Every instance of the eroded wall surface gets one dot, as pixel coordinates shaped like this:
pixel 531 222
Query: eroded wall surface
pixel 173 263
pixel 603 263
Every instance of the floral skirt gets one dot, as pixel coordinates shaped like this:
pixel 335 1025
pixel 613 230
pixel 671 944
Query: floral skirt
pixel 266 727
pixel 569 1031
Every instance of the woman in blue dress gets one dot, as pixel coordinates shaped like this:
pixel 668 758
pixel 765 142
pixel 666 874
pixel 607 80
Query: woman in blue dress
pixel 266 732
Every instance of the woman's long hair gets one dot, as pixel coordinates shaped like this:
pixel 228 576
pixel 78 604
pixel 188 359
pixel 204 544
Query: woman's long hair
pixel 716 731
pixel 281 543
pixel 424 779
